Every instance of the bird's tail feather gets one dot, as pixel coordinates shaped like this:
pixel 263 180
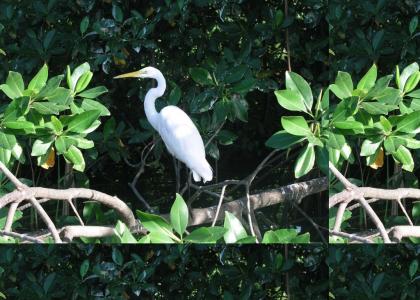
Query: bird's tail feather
pixel 204 171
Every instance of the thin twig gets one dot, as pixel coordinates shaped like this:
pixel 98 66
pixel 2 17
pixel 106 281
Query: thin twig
pixel 21 236
pixel 218 206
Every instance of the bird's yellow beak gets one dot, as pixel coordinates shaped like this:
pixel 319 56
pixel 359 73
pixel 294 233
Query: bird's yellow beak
pixel 131 74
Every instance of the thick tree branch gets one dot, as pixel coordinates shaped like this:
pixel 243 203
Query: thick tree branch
pixel 293 192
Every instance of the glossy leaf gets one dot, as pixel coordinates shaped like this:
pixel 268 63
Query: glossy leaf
pixel 295 125
pixel 179 215
pixel 93 93
pixel 201 76
pixel 305 161
pixel 235 230
pixel 79 123
pixel 368 80
pixel 206 235
pixel 298 84
pixel 39 80
pixel 75 156
pixel 290 100
pixel 283 140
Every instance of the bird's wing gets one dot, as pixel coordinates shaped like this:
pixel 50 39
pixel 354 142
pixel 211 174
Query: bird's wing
pixel 180 135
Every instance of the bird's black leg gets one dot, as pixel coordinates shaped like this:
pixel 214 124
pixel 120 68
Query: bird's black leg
pixel 178 181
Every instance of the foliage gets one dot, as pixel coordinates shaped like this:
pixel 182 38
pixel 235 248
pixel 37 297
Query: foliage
pixel 160 231
pixel 374 272
pixel 298 97
pixel 376 118
pixel 161 272
pixel 362 32
pixel 49 119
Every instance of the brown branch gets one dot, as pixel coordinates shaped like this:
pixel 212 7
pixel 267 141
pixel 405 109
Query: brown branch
pixel 21 236
pixel 71 232
pixel 369 192
pixel 397 233
pixel 293 192
pixel 118 205
pixel 350 236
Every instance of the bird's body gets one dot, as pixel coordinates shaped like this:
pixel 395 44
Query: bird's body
pixel 178 132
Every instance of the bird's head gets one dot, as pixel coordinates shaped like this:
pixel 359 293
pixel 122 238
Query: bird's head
pixel 148 72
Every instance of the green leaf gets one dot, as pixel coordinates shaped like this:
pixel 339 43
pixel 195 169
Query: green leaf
pixel 84 24
pixel 415 210
pixel 290 100
pixel 386 125
pixel 354 126
pixel 379 278
pixel 28 127
pixel 336 141
pixel 89 105
pixel 80 142
pixel 79 123
pixel 179 215
pixel 201 76
pixel 298 84
pixel 413 24
pixel 60 96
pixel 83 81
pixel 244 86
pixel 409 123
pixel 235 74
pixel 368 80
pixel 412 82
pixel 376 108
pixel 93 92
pixel 124 233
pixel 48 282
pixel 206 235
pixel 15 82
pixel 117 13
pixel 77 73
pixel 226 137
pixel 406 73
pixel 57 126
pixel 343 86
pixel 174 95
pixel 235 230
pixel 39 80
pixel 46 108
pixel 117 256
pixel 84 267
pixel 379 87
pixel 160 238
pixel 283 140
pixel 61 145
pixel 8 91
pixel 239 108
pixel 75 156
pixel 154 223
pixel 7 141
pixel 412 270
pixel 50 88
pixel 278 18
pixel 283 236
pixel 414 94
pixel 404 156
pixel 369 147
pixel 40 147
pixel 388 96
pixel 305 161
pixel 296 125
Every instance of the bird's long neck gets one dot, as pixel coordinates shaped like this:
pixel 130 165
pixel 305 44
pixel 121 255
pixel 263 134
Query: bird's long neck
pixel 149 102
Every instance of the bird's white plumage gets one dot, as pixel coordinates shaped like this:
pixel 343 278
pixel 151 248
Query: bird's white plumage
pixel 183 141
pixel 177 130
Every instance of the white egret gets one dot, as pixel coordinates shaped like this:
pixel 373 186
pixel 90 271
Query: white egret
pixel 176 128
